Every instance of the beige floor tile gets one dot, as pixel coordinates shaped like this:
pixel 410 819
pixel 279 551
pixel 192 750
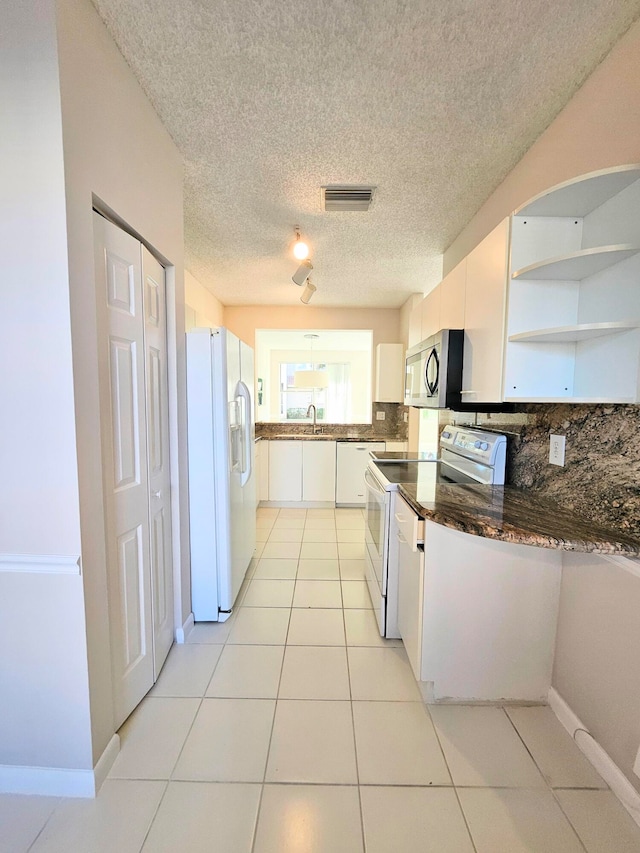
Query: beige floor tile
pixel 601 821
pixel 347 535
pixel 152 737
pixel 413 820
pixel 317 594
pixel 351 550
pixel 381 675
pixel 288 522
pixel 292 512
pixel 355 595
pixel 215 633
pixel 396 744
pixel 349 522
pixel 244 586
pixel 260 625
pixel 321 513
pixel 319 535
pixel 229 742
pixel 21 819
pixel 319 551
pixel 267 512
pixel 309 819
pixel 316 627
pixel 553 749
pixel 352 570
pixel 517 821
pixel 362 630
pixel 116 820
pixel 263 523
pixel 201 816
pixel 312 742
pixel 247 672
pixel 286 534
pixel 318 570
pixel 262 535
pixel 482 748
pixel 269 593
pixel 315 672
pixel 187 670
pixel 320 524
pixel 276 570
pixel 281 551
pixel 257 551
pixel 349 512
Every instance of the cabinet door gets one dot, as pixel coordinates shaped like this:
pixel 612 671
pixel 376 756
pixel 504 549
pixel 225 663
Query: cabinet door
pixel 431 313
pixel 452 293
pixel 352 461
pixel 395 445
pixel 318 470
pixel 410 593
pixel 415 321
pixel 285 470
pixel 389 373
pixel 485 300
pixel 262 458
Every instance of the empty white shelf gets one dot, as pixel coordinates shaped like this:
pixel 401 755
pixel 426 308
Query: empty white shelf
pixel 571 334
pixel 580 196
pixel 586 400
pixel 577 265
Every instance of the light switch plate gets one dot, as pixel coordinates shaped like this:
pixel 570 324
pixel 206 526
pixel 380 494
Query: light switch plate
pixel 380 416
pixel 556 449
pixel 406 416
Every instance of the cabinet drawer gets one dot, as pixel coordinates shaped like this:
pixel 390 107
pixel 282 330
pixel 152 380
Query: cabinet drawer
pixel 410 525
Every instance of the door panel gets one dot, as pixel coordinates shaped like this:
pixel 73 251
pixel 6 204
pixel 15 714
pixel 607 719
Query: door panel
pixel 125 476
pixel 159 489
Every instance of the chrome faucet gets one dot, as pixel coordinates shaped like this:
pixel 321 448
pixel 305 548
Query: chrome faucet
pixel 315 427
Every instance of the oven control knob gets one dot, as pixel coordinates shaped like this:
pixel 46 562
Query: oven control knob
pixel 484 446
pixel 478 445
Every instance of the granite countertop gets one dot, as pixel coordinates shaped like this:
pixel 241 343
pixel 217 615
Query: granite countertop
pixel 514 515
pixel 328 436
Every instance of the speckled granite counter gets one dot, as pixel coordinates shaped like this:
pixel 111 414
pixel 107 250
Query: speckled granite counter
pixel 299 436
pixel 514 515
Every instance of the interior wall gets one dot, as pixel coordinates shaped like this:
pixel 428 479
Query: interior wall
pixel 44 704
pixel 406 311
pixel 117 154
pixel 202 307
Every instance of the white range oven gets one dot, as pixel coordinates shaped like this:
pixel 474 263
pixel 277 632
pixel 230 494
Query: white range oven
pixel 467 456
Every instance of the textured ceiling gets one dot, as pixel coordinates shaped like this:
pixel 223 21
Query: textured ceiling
pixel 432 102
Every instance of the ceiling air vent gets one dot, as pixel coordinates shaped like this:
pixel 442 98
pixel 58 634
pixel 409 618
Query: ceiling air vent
pixel 347 198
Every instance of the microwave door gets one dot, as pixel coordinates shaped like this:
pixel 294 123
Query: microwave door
pixel 414 387
pixel 432 373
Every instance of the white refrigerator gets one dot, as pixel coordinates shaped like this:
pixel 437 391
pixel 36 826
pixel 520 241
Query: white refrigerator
pixel 222 482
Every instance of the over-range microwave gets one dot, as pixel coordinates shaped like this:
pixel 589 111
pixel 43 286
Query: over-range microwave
pixel 433 376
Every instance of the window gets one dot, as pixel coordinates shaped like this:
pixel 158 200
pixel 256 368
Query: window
pixel 332 403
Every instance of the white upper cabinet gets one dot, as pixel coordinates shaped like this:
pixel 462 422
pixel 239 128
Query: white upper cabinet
pixel 484 317
pixel 389 373
pixel 452 293
pixel 573 325
pixel 430 314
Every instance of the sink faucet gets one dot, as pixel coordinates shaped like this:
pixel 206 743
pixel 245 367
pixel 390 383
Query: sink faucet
pixel 316 429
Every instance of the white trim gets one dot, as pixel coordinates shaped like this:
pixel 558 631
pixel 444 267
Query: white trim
pixel 187 628
pixel 40 563
pixel 105 762
pixel 627 563
pixel 603 763
pixel 59 781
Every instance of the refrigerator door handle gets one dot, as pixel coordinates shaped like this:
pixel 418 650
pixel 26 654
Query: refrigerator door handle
pixel 244 395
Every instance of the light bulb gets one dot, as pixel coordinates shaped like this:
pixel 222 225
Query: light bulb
pixel 300 250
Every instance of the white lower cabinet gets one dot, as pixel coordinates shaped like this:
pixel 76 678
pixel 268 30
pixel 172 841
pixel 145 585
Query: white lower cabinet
pixel 262 470
pixel 285 470
pixel 318 470
pixel 477 616
pixel 352 460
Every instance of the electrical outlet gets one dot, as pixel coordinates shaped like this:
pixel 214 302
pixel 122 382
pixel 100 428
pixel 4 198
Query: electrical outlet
pixel 406 417
pixel 556 449
pixel 380 416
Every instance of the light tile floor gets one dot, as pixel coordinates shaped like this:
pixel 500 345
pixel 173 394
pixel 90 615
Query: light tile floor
pixel 294 727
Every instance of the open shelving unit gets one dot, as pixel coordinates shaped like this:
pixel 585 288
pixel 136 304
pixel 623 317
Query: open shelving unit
pixel 573 315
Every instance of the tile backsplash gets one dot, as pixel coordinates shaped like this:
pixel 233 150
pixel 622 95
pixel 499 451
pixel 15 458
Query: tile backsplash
pixel 601 477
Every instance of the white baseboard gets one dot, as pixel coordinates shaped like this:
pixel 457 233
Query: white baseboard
pixel 603 763
pixel 59 781
pixel 187 628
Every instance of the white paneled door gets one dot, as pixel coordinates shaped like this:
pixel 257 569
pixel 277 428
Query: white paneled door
pixel 134 416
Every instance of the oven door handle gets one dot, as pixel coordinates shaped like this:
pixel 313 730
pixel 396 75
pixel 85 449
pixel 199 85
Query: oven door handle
pixel 373 483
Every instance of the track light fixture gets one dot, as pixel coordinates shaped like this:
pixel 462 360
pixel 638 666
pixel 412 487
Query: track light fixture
pixel 300 248
pixel 308 292
pixel 302 273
